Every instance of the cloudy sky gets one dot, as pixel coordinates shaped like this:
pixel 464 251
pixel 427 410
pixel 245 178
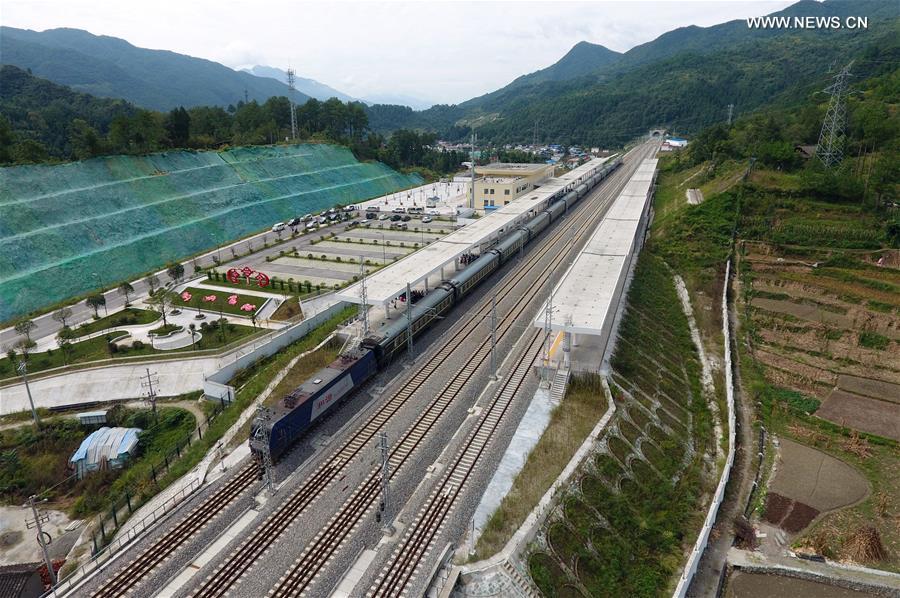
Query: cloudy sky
pixel 438 51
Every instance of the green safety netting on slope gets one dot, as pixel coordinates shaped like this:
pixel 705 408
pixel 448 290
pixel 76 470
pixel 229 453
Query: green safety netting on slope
pixel 121 216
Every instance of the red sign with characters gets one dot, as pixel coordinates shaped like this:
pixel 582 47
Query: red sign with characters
pixel 234 276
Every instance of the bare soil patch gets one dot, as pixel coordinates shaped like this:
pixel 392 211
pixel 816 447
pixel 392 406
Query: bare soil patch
pixel 810 313
pixel 754 585
pixel 862 413
pixel 876 389
pixel 800 516
pixel 777 508
pixel 814 478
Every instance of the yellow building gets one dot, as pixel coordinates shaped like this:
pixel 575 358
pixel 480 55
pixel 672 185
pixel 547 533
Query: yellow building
pixel 499 183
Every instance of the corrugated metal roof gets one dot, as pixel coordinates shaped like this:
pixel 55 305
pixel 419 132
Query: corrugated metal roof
pixel 106 444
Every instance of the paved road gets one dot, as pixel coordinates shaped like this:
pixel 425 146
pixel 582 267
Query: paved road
pixel 47 326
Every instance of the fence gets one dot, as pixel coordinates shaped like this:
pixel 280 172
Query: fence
pixel 216 385
pixel 100 557
pixel 690 568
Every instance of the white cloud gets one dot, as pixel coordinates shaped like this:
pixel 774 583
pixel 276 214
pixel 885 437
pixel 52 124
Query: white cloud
pixel 442 51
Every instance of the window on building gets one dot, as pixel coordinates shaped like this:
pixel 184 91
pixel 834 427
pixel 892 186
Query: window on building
pixel 506 191
pixel 492 190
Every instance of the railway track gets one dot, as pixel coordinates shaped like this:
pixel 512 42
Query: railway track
pixel 418 539
pixel 128 577
pixel 326 544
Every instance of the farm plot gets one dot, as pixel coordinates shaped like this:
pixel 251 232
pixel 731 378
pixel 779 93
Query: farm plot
pixel 829 332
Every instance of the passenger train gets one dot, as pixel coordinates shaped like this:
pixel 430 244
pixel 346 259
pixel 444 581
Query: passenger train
pixel 287 420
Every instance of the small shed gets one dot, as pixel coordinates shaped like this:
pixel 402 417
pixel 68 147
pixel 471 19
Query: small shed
pixel 92 418
pixel 21 581
pixel 106 448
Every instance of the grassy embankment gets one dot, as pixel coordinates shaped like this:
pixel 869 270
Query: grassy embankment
pixel 624 526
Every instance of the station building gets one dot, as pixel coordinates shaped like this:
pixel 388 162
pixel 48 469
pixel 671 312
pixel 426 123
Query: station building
pixel 499 183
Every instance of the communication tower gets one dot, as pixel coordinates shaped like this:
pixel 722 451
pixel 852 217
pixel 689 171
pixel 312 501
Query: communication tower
pixel 830 149
pixel 730 113
pixel 290 81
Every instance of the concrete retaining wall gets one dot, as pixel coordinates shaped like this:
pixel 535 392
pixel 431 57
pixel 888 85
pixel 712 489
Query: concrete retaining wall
pixel 684 583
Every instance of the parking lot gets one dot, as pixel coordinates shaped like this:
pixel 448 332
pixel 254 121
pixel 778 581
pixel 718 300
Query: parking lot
pixel 330 256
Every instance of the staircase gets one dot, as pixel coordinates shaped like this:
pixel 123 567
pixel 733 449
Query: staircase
pixel 558 386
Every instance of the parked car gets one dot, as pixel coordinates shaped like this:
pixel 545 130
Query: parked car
pixel 396 218
pixel 278 227
pixel 293 222
pixel 366 224
pixel 371 216
pixel 307 218
pixel 399 210
pixel 311 226
pixel 406 218
pixel 427 219
pixel 383 216
pixel 323 220
pixel 402 226
pixel 332 211
pixel 353 223
pixel 349 208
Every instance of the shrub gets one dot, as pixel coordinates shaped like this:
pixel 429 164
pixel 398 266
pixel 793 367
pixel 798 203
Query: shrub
pixel 137 344
pixel 337 259
pixel 310 256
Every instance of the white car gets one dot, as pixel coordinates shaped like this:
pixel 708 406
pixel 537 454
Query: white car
pixel 383 216
pixel 427 219
pixel 323 220
pixel 278 227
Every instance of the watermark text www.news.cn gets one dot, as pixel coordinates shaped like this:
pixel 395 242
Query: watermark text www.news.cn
pixel 783 22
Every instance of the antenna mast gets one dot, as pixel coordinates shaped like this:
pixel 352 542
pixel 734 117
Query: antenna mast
pixel 290 82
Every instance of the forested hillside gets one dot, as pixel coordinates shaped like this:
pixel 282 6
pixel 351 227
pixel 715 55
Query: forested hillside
pixel 683 80
pixel 112 68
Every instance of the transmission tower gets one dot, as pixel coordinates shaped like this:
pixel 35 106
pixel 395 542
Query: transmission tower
pixel 290 81
pixel 730 113
pixel 830 149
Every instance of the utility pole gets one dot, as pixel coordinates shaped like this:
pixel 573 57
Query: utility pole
pixel 263 416
pixel 290 81
pixel 830 149
pixel 40 518
pixel 363 299
pixel 409 339
pixel 730 113
pixel 383 512
pixel 147 382
pixel 23 369
pixel 548 329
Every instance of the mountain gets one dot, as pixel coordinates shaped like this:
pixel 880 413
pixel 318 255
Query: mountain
pixel 684 79
pixel 113 68
pixel 583 59
pixel 309 87
pixel 398 99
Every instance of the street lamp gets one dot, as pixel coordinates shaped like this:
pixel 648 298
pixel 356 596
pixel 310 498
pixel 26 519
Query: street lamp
pixel 383 252
pixel 100 281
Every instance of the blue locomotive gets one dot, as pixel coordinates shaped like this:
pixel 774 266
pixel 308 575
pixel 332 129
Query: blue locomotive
pixel 287 420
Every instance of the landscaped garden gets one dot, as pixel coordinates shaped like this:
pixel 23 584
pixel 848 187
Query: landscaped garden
pixel 235 304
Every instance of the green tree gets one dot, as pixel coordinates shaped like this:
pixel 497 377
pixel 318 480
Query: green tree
pixel 25 327
pixel 95 302
pixel 84 140
pixel 178 126
pixel 29 151
pixel 125 289
pixel 161 301
pixel 62 316
pixel 175 271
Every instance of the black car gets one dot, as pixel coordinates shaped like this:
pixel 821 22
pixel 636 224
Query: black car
pixel 396 218
pixel 406 218
pixel 293 222
pixel 371 216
